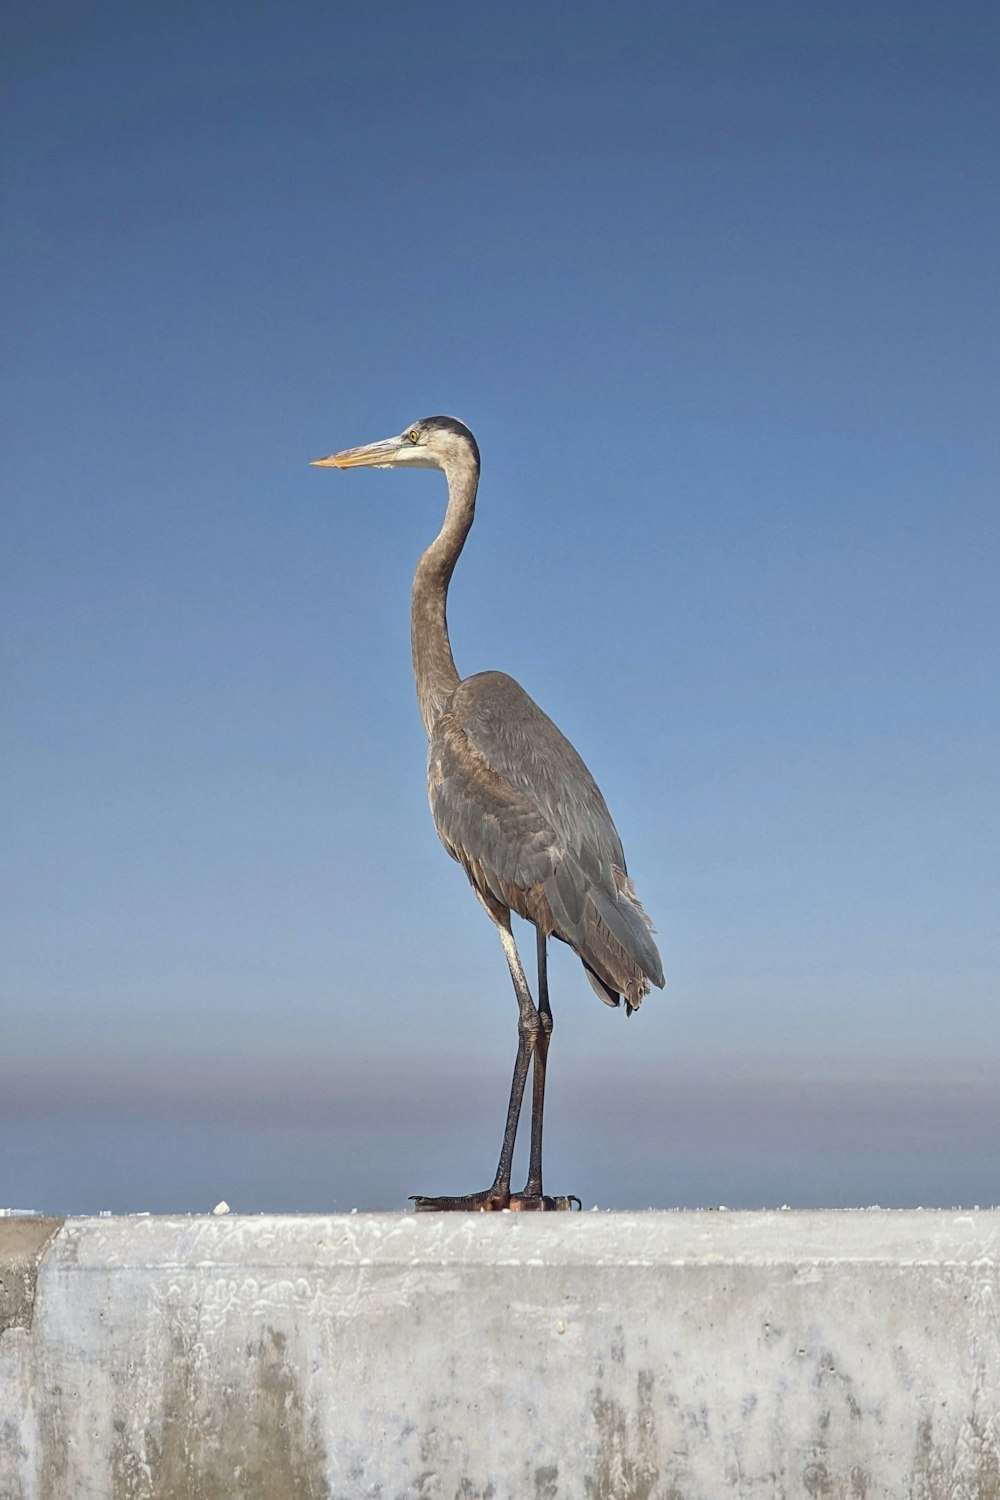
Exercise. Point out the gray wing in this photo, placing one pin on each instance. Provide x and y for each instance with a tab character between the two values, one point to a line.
516	806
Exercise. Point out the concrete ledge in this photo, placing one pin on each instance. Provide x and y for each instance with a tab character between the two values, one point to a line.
687	1356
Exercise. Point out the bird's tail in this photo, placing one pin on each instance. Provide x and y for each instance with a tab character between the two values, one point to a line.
613	936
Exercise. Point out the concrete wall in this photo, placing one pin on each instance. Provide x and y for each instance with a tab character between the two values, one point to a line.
688	1356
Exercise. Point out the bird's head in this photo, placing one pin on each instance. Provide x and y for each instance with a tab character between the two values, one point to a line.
432	443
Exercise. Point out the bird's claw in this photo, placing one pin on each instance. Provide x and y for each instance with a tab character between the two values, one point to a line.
526	1203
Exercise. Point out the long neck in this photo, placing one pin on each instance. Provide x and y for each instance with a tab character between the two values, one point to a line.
433	663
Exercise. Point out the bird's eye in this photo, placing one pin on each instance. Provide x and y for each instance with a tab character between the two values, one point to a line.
414	436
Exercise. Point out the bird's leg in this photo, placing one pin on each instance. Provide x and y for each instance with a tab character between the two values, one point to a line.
533	1187
529	1029
533	1197
529	1033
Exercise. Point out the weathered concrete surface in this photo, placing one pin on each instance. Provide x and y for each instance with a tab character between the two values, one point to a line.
22	1242
687	1356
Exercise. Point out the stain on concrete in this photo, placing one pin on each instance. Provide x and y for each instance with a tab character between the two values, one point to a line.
52	1442
930	1475
966	1463
13	1457
824	1475
217	1438
982	1443
816	1480
547	1483
625	1467
22	1244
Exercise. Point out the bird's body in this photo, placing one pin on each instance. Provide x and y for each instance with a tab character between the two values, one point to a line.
514	804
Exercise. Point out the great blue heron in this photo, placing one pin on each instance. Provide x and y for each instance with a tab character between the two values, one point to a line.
515	805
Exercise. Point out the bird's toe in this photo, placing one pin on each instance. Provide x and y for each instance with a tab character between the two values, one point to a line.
491	1201
541	1203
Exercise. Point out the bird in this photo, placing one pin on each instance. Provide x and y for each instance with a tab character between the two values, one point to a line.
516	806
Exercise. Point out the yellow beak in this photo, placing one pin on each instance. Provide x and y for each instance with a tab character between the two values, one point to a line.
370	455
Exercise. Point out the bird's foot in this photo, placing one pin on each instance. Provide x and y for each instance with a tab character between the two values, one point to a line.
491	1201
538	1202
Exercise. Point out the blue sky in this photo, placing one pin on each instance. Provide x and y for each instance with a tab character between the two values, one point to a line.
715	285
